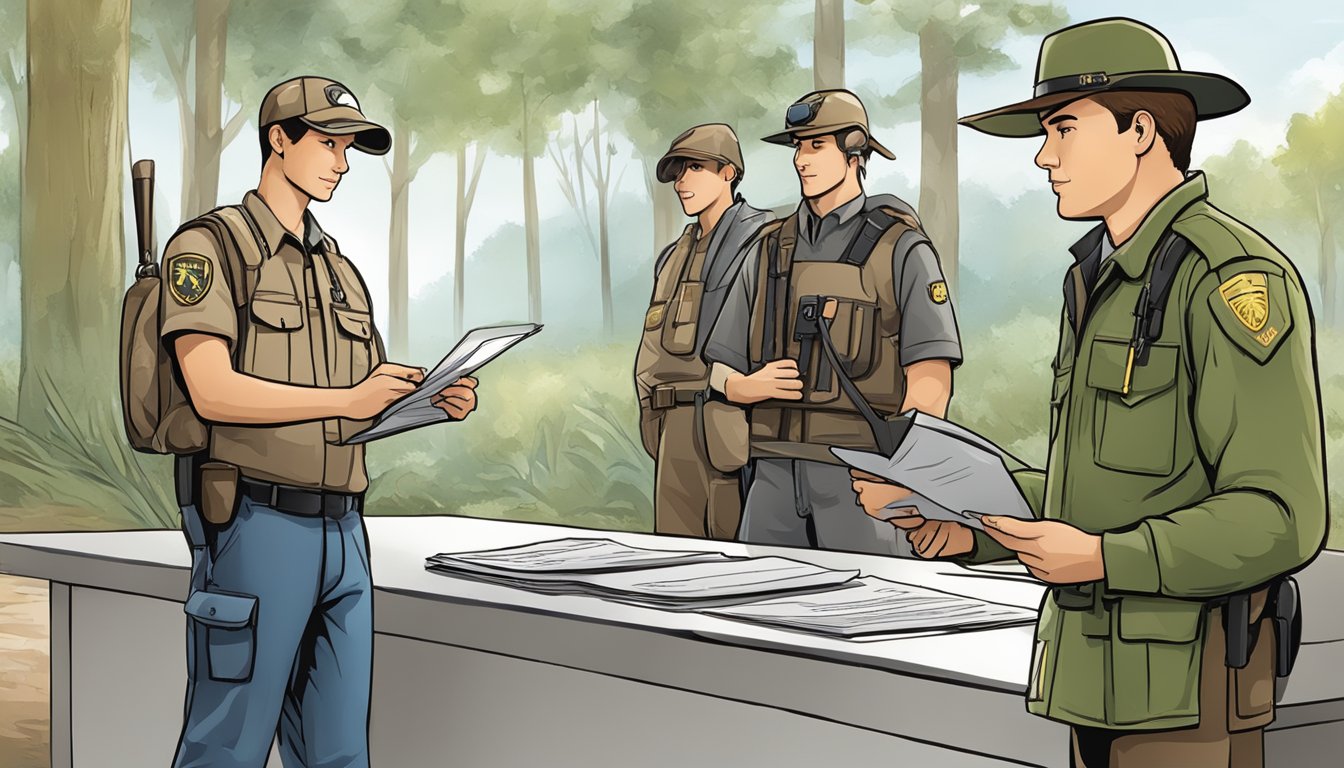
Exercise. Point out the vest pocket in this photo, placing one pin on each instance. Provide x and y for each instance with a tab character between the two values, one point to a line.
679	328
1135	431
272	342
854	333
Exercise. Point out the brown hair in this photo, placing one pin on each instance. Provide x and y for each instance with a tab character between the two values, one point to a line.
1173	111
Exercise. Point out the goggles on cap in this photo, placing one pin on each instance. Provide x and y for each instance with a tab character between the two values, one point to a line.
802	113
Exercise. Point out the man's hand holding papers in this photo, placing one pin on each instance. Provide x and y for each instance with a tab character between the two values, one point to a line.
930	538
1054	551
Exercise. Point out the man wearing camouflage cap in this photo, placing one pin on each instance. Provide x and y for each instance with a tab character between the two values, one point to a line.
697	446
1186	475
866	261
271	329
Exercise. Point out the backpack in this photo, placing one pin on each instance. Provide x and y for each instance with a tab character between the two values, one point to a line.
156	411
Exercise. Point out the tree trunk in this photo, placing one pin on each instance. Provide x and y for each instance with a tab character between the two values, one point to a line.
398	272
18	100
531	223
1328	276
938	149
667	213
608	322
828	45
460	246
212	26
73	238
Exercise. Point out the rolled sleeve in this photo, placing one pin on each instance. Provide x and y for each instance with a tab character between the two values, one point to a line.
928	328
190	307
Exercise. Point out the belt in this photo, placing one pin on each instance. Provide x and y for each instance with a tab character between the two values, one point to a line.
667	396
305	502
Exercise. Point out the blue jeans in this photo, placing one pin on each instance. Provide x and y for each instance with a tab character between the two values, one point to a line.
279	639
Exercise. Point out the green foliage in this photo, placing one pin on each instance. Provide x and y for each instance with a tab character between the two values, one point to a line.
1313	160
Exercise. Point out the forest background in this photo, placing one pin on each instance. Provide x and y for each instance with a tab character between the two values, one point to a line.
520	187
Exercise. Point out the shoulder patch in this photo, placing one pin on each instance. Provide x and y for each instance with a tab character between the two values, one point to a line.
189	277
1253	309
938	291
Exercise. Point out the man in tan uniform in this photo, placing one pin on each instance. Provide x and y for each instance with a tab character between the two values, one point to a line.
274	340
698	447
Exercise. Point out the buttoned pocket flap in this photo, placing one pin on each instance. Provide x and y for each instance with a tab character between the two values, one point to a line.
1110	358
282	313
1161	619
220	609
357	324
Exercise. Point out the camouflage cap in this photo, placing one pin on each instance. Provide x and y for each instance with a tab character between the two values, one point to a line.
1107	55
712	141
825	112
326	106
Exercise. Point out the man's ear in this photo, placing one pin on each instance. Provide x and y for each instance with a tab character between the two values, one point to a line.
1145	132
276	135
728	172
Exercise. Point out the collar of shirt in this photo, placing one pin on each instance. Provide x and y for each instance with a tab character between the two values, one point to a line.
814	224
1132	255
274	232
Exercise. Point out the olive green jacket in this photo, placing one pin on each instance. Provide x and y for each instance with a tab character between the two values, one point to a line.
1205	479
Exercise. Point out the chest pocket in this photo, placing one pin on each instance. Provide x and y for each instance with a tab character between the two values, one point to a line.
1134	432
354	341
274	344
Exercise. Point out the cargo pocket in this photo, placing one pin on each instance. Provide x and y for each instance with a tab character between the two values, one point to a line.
727	435
679	329
230	625
1155	664
854	332
1135	432
271	347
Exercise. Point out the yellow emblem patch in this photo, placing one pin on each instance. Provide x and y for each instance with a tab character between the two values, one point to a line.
1247	295
938	292
654	317
188	278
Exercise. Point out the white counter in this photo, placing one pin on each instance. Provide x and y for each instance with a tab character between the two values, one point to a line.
470	674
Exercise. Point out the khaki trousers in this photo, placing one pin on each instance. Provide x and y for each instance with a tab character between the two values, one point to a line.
1235	705
690	496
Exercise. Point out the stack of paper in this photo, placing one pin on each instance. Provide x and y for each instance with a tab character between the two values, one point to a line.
877	607
660	578
954	473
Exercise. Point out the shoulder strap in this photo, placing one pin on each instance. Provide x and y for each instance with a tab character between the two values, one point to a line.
875	225
779	262
238	238
1152	304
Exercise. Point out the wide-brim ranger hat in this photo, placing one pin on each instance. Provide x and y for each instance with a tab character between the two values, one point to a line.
1114	54
714	142
826	112
325	106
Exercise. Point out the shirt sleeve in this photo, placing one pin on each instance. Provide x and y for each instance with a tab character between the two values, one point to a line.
730	337
928	324
195	294
1256	413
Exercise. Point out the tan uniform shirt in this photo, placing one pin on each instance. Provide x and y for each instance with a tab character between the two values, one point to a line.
295	332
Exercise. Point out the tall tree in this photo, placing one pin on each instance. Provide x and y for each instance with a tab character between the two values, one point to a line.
73	247
13	73
593	157
541	59
1313	165
828	45
954	37
694	65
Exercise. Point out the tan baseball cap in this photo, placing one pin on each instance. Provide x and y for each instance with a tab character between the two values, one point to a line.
326	106
824	112
712	141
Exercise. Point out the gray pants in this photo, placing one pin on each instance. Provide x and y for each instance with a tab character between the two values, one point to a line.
809	504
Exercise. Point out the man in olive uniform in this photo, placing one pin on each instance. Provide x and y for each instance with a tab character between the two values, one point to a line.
280	627
1185	466
698	447
893	329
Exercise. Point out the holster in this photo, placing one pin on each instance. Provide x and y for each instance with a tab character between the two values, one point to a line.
1283	606
219	492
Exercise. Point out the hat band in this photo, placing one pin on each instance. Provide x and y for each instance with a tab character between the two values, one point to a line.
1089	81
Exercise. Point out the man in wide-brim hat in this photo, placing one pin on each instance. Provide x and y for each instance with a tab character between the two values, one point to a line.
1185	476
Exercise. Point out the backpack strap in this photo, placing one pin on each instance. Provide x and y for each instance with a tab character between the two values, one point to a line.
875	225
